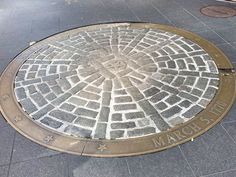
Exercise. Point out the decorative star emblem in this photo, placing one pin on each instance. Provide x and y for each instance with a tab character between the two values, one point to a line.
5	97
102	147
17	119
9	74
48	138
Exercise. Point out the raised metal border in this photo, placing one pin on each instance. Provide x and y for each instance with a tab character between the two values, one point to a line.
214	112
203	13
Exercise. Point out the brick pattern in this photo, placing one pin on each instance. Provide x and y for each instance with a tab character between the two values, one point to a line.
116	82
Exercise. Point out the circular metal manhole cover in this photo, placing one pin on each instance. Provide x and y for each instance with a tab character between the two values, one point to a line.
117	89
218	11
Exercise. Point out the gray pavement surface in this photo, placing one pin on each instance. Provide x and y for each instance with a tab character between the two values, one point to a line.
211	155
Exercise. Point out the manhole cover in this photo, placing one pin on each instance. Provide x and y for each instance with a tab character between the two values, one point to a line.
218	11
228	1
117	89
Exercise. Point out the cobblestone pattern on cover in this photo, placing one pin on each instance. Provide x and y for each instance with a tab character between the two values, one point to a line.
116	82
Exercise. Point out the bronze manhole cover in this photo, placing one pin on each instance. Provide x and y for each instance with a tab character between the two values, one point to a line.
117	89
228	1
218	11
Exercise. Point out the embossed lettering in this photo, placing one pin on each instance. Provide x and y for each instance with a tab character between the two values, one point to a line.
187	131
205	120
218	108
194	127
170	139
179	135
158	142
190	129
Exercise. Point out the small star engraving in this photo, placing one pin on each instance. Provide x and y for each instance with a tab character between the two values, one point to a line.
9	74
102	147
17	119
47	139
5	97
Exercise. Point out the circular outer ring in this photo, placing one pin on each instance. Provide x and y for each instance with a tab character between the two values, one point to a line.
206	11
214	112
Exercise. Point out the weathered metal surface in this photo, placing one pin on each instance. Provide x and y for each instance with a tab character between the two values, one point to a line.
218	11
181	133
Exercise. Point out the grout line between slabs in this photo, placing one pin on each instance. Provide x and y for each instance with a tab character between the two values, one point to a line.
128	168
133	13
221	172
158	10
104	6
226	122
13	144
185	158
27	160
228	134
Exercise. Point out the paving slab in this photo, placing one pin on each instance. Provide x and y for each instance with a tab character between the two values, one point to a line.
212	153
86	166
3	122
230	173
230	129
164	164
47	167
6	141
24	150
3	171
